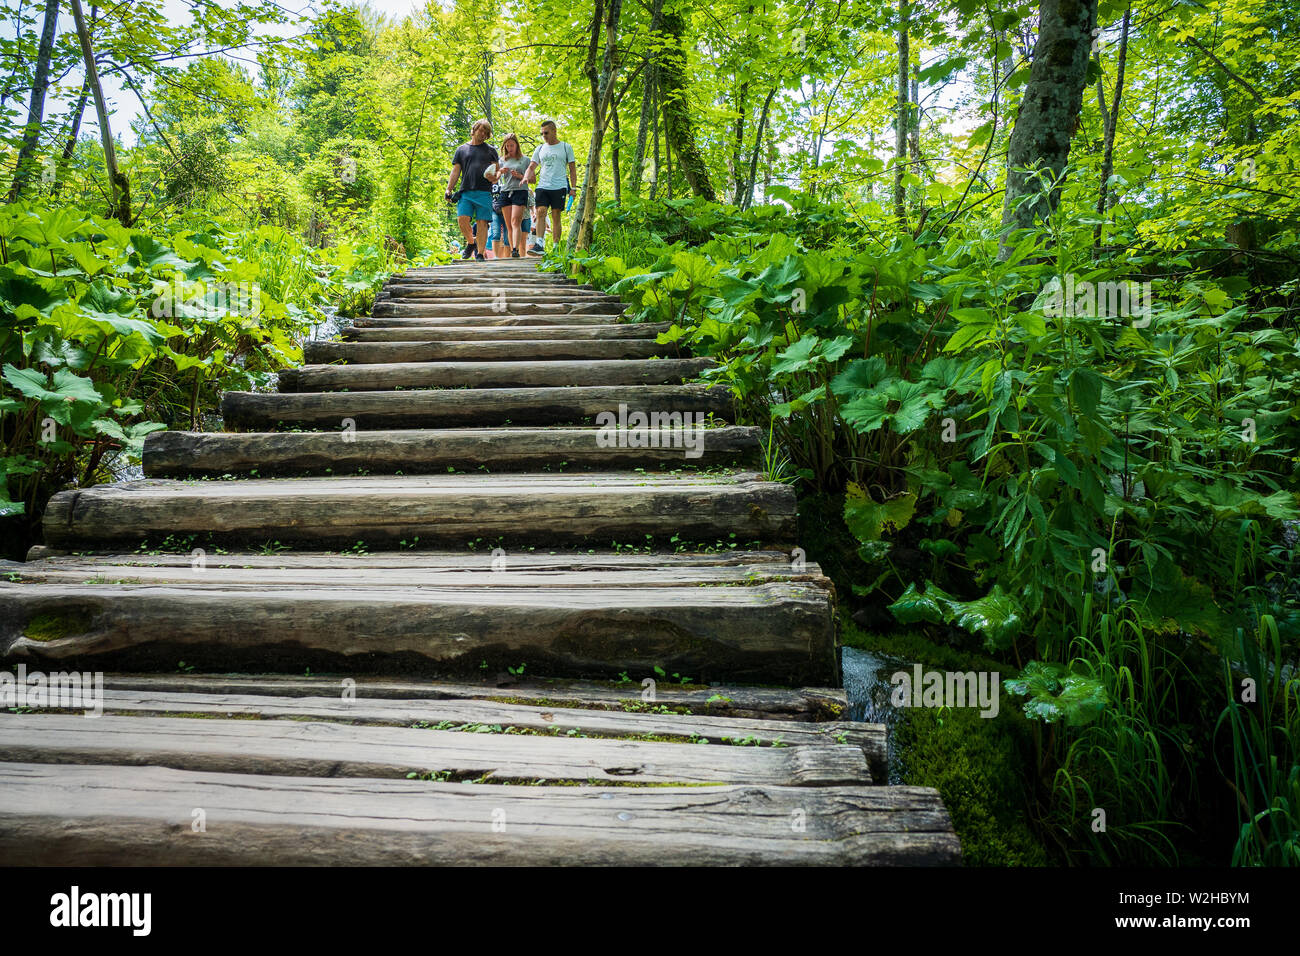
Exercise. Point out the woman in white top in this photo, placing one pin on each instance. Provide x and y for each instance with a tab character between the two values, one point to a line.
510	172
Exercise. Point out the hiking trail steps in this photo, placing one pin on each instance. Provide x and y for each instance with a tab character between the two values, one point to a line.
430	505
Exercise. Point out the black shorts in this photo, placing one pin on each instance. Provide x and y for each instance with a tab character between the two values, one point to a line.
516	197
550	198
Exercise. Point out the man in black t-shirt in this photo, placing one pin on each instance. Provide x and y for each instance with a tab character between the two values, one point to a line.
471	160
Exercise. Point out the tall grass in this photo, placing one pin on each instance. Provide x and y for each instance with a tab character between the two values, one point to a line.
1265	733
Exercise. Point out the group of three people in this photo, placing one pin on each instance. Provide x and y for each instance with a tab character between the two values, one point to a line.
494	189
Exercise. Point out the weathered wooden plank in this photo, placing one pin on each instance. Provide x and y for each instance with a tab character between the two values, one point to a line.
472	713
384	509
533	350
474	571
87	816
472	333
778	632
295	748
520	305
719	700
414	375
446	408
483	319
583	562
416	451
489	290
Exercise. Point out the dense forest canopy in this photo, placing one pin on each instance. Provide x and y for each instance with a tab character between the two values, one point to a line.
1011	287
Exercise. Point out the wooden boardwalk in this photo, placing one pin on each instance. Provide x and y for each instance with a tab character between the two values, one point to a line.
430	510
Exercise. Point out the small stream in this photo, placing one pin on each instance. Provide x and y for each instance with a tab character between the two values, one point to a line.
867	687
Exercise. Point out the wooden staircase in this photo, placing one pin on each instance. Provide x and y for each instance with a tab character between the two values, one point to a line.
433	497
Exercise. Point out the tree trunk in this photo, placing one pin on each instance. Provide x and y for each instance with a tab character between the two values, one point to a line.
648	78
901	115
1104	198
74	133
678	127
25	171
758	143
614	147
602	93
914	135
119	188
654	168
1049	112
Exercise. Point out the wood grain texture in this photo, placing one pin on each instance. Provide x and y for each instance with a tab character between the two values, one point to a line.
519	305
71	815
720	700
481	319
416	375
295	748
473	333
869	739
449	408
610	506
532	350
417	451
778	632
500	333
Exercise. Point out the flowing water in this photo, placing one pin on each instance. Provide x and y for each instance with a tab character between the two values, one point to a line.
867	687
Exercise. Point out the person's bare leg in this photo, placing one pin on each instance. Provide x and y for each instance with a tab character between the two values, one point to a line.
464	229
516	233
499	249
483	226
555	226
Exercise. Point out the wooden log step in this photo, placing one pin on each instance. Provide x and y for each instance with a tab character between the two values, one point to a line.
777	633
520	281
638	719
802	704
479	570
476	333
382	510
559	372
486	319
451	408
420	451
432	350
518	305
292	748
488	290
94	816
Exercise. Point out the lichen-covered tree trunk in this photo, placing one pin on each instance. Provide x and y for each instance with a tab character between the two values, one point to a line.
602	93
25	171
119	187
678	128
1049	112
1104	198
649	75
900	120
758	143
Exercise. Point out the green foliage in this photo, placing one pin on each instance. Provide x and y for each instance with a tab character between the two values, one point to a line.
109	333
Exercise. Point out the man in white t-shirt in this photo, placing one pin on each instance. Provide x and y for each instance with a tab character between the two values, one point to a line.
555	183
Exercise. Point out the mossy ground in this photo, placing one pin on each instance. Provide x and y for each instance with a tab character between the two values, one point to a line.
982	767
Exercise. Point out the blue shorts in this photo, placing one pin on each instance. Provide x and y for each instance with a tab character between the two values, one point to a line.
476	203
499	232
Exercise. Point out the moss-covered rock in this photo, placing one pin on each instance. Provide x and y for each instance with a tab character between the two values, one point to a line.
980	766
